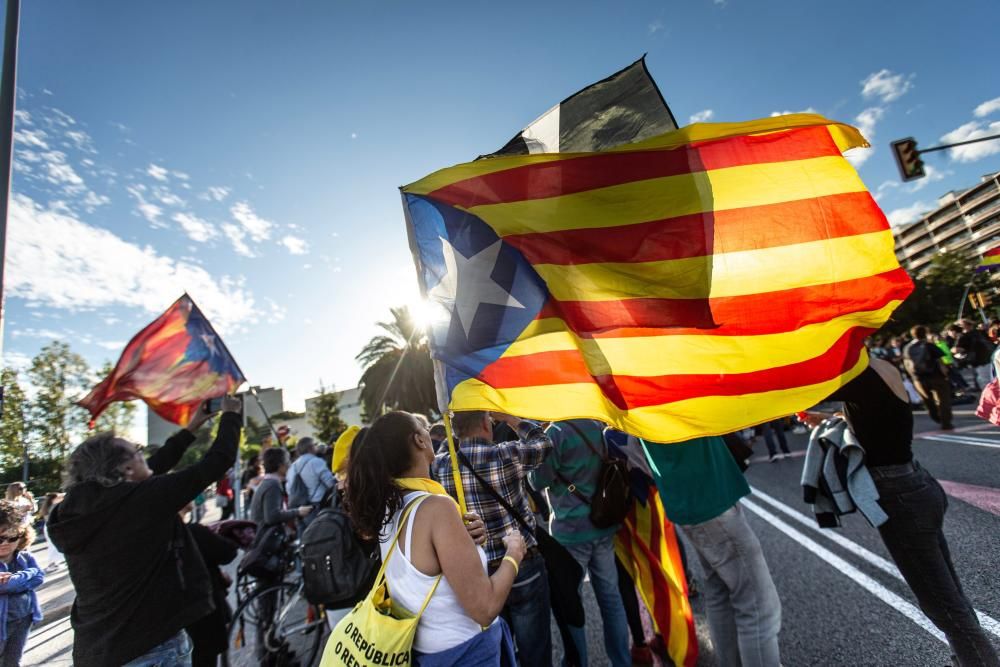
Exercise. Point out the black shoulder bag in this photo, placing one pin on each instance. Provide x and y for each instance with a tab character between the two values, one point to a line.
564	573
612	497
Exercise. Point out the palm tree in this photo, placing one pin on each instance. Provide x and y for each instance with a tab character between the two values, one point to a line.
398	372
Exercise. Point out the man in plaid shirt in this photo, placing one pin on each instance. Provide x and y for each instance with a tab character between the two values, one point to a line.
504	466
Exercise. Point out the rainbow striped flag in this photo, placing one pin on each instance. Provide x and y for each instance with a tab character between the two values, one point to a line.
174	364
991	260
698	282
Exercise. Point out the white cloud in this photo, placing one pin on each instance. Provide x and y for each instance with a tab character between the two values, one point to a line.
885	187
256	227
195	228
908	214
886	86
16	360
788	113
81	141
151	212
931	175
28	332
113	345
50	251
866	122
295	245
216	193
181	175
237	237
36	138
655	26
354	135
987	108
973	130
157	172
276	313
702	116
167	198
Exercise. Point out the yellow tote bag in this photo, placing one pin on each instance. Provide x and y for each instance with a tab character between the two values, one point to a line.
375	634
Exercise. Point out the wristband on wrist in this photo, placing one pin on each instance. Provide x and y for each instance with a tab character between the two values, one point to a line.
513	562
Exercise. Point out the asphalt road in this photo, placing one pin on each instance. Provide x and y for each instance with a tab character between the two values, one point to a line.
842	601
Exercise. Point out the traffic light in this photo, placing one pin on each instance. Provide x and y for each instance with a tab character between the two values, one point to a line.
911	167
979	299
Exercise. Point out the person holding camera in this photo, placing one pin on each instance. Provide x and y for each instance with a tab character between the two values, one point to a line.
138	575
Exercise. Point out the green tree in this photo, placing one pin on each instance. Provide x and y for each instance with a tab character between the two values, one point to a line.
60	378
937	294
325	418
13	431
120	415
398	371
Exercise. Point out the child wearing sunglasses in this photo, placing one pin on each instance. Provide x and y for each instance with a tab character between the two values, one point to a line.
19	577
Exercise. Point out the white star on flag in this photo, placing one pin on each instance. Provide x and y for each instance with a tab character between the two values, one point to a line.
209	341
467	283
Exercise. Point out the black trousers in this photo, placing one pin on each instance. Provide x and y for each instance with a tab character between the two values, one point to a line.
916	504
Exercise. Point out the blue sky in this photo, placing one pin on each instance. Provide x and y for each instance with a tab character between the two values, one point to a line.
250	151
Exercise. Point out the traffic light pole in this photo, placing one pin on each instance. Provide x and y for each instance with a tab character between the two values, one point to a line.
965	297
960	143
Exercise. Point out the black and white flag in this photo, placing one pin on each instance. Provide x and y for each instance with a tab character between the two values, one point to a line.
624	108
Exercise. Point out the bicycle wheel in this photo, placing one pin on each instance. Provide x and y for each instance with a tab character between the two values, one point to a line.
275	627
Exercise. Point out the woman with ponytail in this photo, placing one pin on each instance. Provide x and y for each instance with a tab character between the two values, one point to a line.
389	472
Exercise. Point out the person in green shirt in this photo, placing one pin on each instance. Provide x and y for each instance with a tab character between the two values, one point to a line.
700	487
578	448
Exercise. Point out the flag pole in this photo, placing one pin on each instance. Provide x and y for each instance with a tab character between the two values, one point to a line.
8	97
456	475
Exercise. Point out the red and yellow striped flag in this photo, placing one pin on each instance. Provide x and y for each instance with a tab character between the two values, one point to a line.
692	284
991	260
647	547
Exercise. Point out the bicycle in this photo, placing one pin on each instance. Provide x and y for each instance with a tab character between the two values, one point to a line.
274	625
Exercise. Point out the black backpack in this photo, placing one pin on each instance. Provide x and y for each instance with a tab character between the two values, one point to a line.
298	494
612	497
338	568
919	361
982	351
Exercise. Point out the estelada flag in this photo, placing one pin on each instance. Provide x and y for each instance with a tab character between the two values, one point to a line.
991	260
174	364
648	549
691	284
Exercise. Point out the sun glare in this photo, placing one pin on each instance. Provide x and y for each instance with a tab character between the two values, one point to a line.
427	313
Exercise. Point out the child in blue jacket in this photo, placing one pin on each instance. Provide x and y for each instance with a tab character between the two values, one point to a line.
19	577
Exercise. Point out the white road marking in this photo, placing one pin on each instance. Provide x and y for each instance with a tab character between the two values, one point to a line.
856	575
962	440
989	623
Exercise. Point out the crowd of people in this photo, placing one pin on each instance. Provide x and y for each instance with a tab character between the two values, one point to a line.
151	586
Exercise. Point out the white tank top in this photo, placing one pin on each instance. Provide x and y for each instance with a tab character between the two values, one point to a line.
444	624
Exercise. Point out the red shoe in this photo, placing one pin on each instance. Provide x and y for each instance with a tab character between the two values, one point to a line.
641	655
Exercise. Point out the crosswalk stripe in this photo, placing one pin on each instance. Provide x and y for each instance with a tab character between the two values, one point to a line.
962	440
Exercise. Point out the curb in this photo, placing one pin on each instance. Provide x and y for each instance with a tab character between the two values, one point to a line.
55	614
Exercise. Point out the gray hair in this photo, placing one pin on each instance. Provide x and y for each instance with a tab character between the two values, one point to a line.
305	446
98	459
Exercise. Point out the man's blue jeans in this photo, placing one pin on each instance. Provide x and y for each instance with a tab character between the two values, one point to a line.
175	652
598	558
527	613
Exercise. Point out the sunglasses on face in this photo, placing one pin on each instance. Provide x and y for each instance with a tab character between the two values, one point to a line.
9	539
